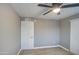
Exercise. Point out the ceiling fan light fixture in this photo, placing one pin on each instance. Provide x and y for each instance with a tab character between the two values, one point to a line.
56	10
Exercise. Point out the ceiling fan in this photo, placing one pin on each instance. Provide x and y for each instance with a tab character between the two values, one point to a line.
56	7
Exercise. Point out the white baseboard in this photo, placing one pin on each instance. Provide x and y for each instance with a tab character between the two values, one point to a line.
63	48
45	47
42	47
19	52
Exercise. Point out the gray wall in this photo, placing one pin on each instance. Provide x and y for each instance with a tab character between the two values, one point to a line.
46	33
65	33
9	30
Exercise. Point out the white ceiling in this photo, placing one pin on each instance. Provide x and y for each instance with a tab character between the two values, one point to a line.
32	10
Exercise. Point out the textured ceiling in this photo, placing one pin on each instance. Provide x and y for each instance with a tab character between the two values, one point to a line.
32	10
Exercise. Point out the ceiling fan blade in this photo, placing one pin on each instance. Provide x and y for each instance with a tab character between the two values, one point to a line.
47	12
58	4
44	5
70	5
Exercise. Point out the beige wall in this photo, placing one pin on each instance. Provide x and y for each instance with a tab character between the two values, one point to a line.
46	33
65	33
9	30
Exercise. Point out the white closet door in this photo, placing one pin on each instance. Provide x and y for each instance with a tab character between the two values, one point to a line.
27	34
74	41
